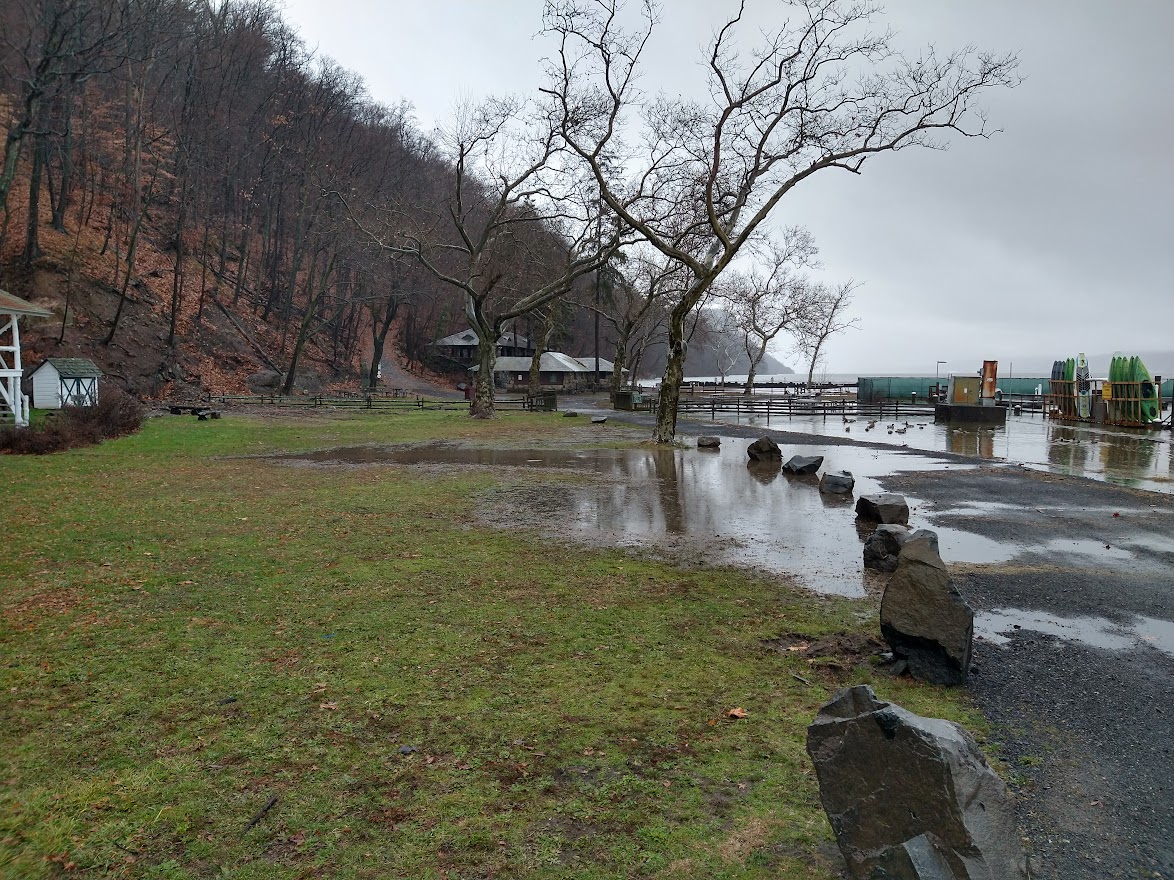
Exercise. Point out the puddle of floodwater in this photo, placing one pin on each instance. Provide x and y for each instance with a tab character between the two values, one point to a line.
1132	457
734	513
1149	541
959	546
1085	547
999	625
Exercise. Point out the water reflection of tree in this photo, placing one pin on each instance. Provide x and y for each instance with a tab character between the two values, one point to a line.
1128	455
669	489
1067	448
970	440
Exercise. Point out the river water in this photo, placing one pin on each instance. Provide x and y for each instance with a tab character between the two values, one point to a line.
1140	458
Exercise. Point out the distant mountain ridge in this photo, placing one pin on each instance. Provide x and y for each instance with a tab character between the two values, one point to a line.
1159	363
703	361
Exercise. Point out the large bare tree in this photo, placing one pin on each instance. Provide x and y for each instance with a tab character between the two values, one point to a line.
516	228
773	297
824	317
822	91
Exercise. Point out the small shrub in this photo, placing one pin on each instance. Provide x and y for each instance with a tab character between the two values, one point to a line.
116	414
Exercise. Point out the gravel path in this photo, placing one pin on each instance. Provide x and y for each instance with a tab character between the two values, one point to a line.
1079	694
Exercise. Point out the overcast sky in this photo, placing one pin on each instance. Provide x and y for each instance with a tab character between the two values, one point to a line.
1055	236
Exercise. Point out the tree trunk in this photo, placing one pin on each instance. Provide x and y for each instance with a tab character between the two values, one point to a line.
621	354
379	330
32	244
814	361
544	330
66	188
482	406
755	360
674	373
177	277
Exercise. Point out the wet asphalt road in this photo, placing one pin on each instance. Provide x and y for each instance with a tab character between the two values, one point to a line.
1086	732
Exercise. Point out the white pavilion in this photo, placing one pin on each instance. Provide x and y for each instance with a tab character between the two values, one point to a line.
14	405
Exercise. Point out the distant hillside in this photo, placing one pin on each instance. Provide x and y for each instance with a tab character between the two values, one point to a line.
1159	363
703	361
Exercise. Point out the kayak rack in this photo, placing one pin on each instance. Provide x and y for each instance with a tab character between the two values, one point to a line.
1111	403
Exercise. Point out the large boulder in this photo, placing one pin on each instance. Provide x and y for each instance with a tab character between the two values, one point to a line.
837	483
910	798
924	617
709	442
885	507
883	547
764	449
803	464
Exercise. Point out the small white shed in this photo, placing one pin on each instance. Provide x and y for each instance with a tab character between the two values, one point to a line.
62	382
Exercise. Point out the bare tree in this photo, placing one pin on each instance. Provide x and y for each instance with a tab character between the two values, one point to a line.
822	91
518	228
765	301
47	47
824	317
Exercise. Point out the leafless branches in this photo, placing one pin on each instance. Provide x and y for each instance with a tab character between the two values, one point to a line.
822	91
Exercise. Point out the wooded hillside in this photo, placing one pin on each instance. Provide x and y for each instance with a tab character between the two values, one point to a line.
174	183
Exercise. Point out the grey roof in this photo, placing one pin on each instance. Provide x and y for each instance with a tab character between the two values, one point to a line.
551	362
73	368
469	337
16	306
605	366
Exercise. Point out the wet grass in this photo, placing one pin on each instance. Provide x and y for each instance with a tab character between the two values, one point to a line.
191	630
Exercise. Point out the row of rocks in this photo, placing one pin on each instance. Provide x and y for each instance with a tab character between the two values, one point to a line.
764	449
909	798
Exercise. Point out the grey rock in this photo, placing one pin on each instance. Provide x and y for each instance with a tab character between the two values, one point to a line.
570	414
885	507
803	464
924	617
709	442
883	547
837	483
929	534
265	379
764	449
599	420
910	798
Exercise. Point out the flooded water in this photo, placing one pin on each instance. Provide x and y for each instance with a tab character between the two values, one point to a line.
732	512
1130	457
713	507
1000	625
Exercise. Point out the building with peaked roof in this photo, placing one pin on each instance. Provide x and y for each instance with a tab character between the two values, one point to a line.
556	372
14	406
62	382
460	348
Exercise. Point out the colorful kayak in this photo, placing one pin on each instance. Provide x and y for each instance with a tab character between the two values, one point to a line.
1083	398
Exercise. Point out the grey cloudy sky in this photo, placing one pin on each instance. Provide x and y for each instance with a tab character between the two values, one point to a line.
1055	236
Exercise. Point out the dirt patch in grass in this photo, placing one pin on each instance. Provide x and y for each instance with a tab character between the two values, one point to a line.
836	653
35	608
750	837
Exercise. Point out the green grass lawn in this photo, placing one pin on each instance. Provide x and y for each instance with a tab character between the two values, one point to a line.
190	630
